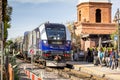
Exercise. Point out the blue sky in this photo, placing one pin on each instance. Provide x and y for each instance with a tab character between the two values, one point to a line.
29	14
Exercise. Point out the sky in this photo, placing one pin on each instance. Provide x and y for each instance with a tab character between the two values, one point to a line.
29	14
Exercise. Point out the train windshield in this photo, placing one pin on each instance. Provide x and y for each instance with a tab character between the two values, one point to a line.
55	32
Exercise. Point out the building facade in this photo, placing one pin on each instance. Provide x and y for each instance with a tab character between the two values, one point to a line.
94	23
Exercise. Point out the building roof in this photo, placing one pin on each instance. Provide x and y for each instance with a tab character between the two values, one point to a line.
82	1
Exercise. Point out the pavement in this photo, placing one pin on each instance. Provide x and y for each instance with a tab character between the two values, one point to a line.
21	74
96	70
81	66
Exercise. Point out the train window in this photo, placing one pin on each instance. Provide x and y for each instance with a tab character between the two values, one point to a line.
55	33
38	35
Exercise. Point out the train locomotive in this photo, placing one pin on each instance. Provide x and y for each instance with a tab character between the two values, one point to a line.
50	44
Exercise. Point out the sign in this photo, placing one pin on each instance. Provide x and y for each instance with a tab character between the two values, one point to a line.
115	37
31	51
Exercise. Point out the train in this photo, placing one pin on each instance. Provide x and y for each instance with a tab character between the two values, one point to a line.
50	44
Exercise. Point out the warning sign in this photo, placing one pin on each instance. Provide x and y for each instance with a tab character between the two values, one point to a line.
31	51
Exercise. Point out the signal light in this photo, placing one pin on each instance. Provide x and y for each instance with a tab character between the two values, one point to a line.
46	54
67	55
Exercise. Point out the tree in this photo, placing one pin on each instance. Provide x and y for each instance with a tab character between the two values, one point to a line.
8	43
75	38
71	27
6	17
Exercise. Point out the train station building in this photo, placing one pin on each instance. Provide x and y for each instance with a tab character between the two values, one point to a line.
94	22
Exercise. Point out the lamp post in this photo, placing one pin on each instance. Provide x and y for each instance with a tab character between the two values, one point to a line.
117	19
1	46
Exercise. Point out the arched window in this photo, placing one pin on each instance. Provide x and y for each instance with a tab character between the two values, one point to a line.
98	15
79	15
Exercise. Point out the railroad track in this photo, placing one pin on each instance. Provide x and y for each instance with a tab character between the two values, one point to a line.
74	74
69	74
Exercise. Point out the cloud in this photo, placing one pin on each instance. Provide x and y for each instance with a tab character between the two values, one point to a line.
39	1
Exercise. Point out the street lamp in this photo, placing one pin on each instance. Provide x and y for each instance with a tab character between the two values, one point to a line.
117	19
1	46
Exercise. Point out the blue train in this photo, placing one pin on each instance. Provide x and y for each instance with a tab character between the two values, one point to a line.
50	43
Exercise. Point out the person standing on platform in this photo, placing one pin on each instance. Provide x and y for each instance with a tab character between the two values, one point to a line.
75	56
100	55
107	57
81	55
114	59
95	59
88	55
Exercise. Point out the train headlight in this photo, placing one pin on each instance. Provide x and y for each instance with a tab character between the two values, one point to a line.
68	42
44	42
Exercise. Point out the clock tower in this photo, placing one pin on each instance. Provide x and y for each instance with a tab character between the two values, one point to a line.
94	22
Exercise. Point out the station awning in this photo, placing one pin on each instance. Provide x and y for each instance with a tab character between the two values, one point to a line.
107	41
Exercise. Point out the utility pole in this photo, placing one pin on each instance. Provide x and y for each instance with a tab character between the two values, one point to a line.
117	19
1	46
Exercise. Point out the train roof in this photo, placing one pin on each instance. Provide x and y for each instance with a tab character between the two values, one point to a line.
27	32
54	24
49	24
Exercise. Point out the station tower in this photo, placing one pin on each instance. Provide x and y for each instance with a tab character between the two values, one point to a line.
94	22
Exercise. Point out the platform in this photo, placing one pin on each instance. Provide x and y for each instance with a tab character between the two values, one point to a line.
96	70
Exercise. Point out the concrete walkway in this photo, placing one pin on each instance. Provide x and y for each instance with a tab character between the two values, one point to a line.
96	70
22	75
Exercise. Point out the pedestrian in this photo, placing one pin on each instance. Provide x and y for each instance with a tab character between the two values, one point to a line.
113	62
116	59
103	58
75	56
88	55
100	56
81	55
95	59
112	56
107	58
93	52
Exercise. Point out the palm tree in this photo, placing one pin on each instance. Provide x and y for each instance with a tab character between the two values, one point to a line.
6	17
6	12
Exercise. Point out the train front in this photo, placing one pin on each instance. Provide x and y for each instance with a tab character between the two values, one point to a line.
57	46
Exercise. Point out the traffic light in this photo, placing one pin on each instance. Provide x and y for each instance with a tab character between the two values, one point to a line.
1	31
